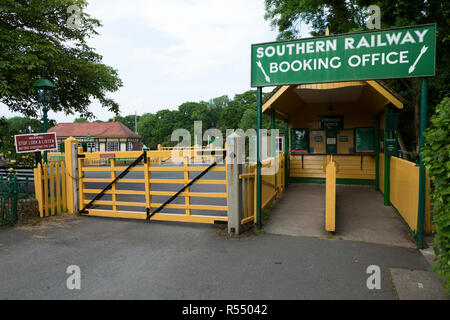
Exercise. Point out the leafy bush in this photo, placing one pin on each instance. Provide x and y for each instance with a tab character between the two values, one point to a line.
437	161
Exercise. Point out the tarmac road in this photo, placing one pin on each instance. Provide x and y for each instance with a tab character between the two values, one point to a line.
121	259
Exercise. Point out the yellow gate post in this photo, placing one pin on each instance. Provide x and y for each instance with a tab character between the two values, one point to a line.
71	173
330	197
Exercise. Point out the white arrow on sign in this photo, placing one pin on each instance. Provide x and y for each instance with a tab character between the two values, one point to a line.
265	75
413	67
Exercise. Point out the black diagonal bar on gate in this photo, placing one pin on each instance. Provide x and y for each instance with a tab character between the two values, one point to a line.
120	176
186	186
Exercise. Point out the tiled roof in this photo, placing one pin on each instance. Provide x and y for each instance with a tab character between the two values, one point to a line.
94	129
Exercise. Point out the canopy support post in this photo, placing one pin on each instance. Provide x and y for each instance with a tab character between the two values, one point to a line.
422	172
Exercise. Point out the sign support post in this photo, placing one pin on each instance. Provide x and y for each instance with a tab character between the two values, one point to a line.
258	156
386	159
422	173
377	153
45	110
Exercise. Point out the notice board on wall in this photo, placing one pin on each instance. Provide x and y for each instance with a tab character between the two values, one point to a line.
364	140
300	140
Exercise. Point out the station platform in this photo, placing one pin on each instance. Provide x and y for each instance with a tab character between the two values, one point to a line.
360	215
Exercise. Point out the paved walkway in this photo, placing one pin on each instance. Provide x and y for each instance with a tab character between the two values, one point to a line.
360	215
122	259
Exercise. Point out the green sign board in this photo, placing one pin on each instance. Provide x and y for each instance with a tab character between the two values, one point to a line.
300	140
382	54
391	147
365	140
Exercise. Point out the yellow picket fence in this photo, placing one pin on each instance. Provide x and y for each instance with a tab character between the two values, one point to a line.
50	188
272	185
330	197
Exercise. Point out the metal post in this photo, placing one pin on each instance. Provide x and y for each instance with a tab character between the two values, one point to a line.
377	153
422	173
386	161
258	156
45	110
235	156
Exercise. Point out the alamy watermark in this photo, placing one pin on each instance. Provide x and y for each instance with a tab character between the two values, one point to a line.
74	280
374	280
74	20
374	21
241	153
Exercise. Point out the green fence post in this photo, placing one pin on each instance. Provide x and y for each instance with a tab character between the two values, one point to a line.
422	173
258	157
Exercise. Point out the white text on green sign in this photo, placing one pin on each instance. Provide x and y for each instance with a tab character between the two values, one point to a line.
395	53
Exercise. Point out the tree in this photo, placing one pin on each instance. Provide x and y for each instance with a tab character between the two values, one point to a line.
128	121
80	120
35	37
232	114
156	128
350	15
145	125
20	125
341	16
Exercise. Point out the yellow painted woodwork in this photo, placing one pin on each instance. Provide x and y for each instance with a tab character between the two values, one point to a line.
317	146
272	184
158	216
330	197
349	166
69	169
94	162
371	96
49	186
63	187
46	202
342	146
404	192
58	186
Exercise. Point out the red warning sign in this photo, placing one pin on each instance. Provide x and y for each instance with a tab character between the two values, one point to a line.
35	142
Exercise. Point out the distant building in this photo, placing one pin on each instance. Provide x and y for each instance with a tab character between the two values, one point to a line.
98	136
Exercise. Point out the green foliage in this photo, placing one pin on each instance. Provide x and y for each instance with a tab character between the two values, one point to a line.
80	120
14	126
437	161
340	16
34	37
221	112
128	121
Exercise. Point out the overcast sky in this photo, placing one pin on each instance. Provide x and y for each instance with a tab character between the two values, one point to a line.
171	51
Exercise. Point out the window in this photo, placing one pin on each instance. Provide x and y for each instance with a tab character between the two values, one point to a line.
112	146
279	145
92	147
130	146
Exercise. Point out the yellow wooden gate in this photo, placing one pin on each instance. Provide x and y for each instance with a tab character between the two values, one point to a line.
50	188
153	178
272	184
